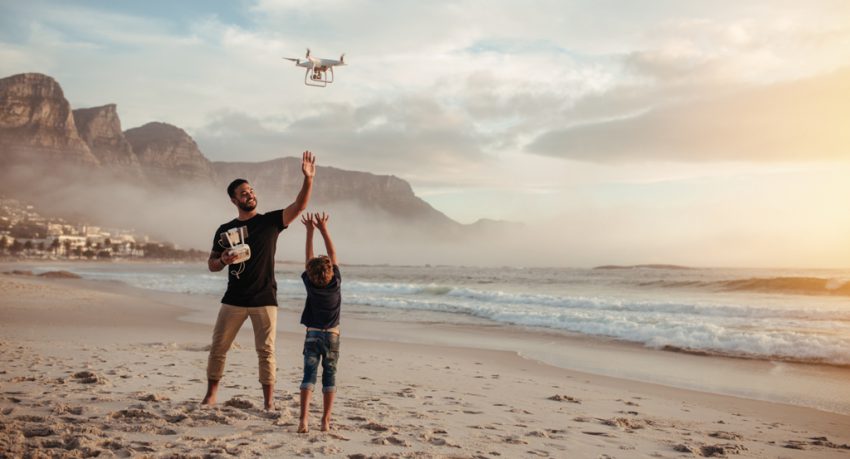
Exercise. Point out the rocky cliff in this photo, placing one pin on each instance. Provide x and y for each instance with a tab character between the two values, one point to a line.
36	123
167	153
100	128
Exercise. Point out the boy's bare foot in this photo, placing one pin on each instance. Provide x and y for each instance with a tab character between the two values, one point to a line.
305	410
326	410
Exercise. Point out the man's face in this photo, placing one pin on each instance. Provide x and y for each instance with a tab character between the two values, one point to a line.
244	197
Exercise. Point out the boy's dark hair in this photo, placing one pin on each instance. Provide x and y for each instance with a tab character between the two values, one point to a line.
320	271
231	189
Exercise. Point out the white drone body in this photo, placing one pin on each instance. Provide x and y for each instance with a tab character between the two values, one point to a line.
317	69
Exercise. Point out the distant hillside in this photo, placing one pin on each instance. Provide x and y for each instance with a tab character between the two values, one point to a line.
649	266
280	179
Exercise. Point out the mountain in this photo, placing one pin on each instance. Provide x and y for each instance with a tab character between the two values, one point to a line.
36	123
100	129
168	153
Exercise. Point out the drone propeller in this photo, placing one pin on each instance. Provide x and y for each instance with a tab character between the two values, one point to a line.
308	53
342	59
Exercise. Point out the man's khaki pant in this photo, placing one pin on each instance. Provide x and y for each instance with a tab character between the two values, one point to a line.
230	319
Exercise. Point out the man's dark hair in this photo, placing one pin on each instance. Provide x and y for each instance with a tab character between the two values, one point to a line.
231	189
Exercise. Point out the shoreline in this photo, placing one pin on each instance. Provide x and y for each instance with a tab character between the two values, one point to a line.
782	381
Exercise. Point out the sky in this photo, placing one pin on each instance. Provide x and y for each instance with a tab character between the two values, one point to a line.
707	133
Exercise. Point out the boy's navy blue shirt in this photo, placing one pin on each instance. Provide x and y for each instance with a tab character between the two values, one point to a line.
321	309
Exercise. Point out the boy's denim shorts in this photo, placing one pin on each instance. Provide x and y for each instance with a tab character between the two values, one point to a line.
320	347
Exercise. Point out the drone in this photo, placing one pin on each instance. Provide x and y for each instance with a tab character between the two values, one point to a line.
317	69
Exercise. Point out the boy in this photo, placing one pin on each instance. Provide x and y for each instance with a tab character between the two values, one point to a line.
321	317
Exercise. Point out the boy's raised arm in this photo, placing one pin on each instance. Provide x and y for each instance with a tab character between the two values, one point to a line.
321	222
308	223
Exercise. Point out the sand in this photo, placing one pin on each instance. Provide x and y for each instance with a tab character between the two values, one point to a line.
100	369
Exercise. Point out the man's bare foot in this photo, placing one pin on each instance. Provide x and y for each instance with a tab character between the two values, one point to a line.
302	426
326	424
269	407
212	390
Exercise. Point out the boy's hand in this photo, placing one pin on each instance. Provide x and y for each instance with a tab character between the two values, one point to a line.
307	220
321	221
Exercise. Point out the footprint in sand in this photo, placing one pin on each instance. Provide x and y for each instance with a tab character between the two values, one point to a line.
710	450
556	434
89	377
239	403
514	440
407	392
38	431
391	440
375	427
564	398
62	408
625	423
338	436
725	435
174	416
152	397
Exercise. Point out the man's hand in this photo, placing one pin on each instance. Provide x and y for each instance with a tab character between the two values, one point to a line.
320	221
308	164
307	220
228	257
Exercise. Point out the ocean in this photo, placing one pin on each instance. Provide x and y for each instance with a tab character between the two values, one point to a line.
776	315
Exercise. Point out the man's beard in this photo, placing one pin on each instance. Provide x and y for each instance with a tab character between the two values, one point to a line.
248	207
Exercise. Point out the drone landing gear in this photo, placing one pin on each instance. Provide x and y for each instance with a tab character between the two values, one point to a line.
318	77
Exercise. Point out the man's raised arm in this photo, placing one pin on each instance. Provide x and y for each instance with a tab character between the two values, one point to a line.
308	168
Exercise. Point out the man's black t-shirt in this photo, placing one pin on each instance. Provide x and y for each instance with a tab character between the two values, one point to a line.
321	309
255	284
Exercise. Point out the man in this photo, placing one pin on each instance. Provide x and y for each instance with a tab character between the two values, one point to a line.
251	287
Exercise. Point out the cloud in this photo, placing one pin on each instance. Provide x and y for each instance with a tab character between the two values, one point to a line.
410	136
798	120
